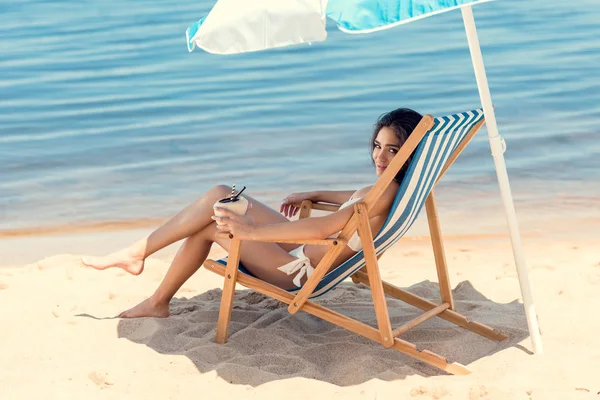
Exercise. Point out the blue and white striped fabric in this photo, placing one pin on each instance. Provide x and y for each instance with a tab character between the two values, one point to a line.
364	16
429	158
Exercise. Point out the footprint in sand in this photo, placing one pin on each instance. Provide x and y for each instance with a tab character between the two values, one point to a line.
477	392
506	275
101	380
470	307
435	393
418	391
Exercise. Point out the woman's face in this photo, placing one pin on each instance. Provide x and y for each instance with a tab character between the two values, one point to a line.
385	147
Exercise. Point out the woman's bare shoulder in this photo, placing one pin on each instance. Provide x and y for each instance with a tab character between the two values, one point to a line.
385	201
362	192
389	193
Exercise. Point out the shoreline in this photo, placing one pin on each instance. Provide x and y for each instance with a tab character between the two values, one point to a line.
81	227
152	223
536	217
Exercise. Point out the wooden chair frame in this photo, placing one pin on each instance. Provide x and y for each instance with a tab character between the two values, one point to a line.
368	275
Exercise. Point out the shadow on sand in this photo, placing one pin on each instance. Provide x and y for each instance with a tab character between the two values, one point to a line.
267	343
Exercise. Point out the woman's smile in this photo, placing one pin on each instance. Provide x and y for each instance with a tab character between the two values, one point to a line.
385	147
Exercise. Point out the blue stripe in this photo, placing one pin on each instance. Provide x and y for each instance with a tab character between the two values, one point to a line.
241	267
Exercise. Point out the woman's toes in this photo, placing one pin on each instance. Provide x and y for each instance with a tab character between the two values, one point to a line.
88	261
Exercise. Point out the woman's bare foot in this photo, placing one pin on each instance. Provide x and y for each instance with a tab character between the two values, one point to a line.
126	259
147	308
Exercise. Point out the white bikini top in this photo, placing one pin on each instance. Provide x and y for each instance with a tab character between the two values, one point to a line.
354	242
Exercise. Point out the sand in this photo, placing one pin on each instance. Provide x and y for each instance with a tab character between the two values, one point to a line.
60	339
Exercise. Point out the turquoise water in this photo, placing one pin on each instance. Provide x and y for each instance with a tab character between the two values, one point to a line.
105	116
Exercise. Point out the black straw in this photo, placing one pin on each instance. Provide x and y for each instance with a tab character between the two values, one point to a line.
238	194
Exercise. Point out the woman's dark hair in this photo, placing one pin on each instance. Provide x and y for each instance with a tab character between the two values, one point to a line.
402	121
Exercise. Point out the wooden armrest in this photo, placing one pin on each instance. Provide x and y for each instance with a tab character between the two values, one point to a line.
307	206
326	206
322	242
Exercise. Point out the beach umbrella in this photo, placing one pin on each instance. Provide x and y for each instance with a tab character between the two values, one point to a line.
237	26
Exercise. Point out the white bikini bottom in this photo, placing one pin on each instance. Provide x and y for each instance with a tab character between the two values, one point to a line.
301	264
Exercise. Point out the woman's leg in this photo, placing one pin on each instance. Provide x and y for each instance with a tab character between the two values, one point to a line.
186	223
188	259
262	258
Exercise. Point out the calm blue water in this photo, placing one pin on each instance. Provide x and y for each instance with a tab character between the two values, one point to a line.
105	116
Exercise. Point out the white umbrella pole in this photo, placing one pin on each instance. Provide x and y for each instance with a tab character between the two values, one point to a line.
497	147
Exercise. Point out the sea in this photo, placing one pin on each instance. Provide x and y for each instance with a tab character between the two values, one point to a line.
107	120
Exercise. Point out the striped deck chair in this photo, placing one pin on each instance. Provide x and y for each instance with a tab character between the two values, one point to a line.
436	143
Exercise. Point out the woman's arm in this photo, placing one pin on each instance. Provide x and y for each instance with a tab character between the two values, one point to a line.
306	228
291	204
332	196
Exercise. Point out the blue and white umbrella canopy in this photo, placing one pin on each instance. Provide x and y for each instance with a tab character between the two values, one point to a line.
239	26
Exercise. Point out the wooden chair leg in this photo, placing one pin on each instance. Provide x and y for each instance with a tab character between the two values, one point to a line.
381	311
438	251
231	273
344	321
426	305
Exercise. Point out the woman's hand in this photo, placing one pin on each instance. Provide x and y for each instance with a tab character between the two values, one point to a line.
291	204
242	226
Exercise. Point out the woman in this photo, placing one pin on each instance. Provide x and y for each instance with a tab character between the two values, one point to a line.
267	261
